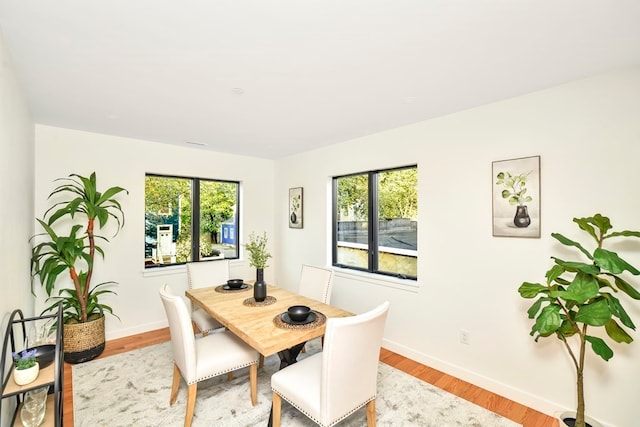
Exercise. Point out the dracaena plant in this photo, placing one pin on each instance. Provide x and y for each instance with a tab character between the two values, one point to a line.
580	295
73	253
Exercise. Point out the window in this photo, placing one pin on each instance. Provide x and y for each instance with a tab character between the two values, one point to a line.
375	226
189	219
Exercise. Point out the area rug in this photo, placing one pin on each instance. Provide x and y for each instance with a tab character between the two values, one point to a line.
132	389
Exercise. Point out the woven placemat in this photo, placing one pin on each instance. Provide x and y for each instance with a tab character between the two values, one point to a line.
320	319
251	302
222	290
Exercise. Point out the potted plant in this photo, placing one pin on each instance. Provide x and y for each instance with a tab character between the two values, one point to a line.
26	367
515	191
258	257
579	295
72	253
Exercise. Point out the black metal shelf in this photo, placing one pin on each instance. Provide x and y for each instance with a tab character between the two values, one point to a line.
50	376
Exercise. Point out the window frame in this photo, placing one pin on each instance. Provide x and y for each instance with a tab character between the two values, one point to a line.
372	226
195	218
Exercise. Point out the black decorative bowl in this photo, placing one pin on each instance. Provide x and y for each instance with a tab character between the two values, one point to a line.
235	283
298	313
45	354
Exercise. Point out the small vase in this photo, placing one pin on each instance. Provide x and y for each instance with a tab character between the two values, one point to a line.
26	376
522	218
34	407
260	287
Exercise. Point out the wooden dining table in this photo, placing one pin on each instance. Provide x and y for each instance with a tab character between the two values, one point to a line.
256	323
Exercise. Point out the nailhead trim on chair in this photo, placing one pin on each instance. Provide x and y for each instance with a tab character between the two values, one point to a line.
333	422
222	372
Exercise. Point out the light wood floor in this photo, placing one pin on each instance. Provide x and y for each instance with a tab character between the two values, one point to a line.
505	407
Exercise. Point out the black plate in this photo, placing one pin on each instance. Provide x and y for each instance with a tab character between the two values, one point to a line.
286	319
229	288
44	354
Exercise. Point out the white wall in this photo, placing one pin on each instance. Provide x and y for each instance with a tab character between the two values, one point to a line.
588	136
16	192
124	162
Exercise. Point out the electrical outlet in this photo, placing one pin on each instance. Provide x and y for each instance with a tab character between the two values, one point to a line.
464	337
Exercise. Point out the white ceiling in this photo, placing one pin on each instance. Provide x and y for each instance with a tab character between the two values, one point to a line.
310	72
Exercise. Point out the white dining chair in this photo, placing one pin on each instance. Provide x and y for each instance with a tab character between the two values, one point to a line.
200	275
330	385
316	283
197	359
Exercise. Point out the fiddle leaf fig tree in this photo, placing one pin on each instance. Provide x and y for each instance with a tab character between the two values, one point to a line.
73	253
579	295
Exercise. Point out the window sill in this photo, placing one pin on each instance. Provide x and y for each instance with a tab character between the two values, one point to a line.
378	279
164	271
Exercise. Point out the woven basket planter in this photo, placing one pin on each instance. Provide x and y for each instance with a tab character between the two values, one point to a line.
83	341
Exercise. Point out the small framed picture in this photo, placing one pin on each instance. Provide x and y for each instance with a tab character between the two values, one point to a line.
295	207
516	197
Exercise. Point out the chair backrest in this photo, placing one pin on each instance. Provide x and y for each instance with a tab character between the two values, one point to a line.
182	338
207	273
316	283
350	358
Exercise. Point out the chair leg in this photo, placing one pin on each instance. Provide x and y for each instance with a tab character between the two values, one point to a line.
277	406
371	413
191	404
253	381
229	376
176	383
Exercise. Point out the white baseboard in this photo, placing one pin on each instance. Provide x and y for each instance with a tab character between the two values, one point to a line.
505	390
138	329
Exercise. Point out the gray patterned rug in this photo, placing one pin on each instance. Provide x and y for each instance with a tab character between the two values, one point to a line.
132	389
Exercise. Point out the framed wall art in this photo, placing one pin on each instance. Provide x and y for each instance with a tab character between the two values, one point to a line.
295	207
516	197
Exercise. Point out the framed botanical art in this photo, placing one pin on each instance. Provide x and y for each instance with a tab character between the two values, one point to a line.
516	197
295	207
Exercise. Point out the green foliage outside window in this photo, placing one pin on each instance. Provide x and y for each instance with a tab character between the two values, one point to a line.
168	200
397	195
376	221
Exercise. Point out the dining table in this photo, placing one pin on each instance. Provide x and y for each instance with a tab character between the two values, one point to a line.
264	325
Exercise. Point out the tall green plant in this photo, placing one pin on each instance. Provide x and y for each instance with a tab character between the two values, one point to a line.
75	252
578	295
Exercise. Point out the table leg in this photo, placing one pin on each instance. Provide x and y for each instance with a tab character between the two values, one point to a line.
287	357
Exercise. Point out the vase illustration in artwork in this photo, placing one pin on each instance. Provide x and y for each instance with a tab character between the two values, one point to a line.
522	218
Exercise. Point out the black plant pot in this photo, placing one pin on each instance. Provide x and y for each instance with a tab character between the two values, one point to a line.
568	419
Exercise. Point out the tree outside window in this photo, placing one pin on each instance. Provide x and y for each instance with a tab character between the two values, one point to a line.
375	225
189	219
